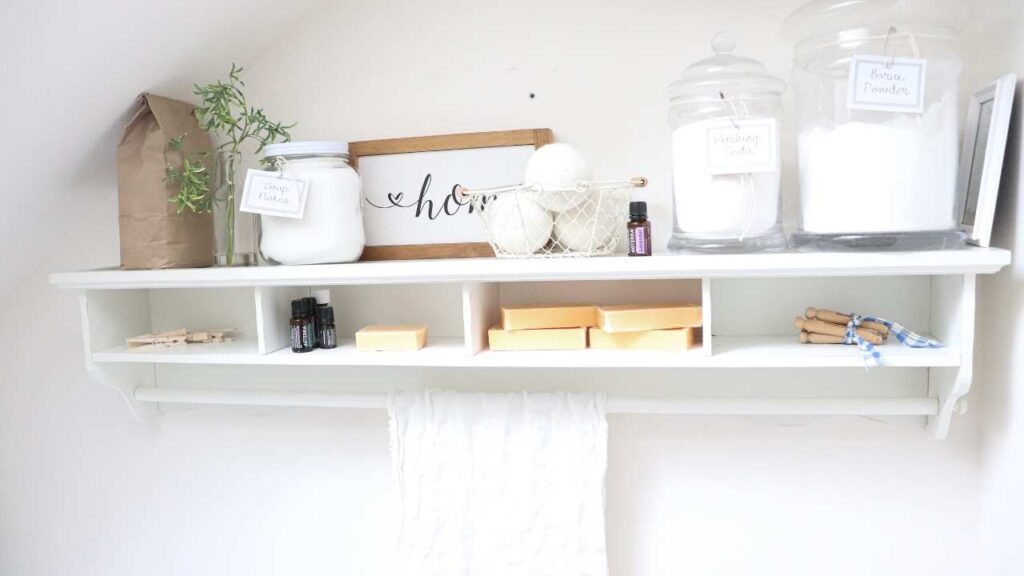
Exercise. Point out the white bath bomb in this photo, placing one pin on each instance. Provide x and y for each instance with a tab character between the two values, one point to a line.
557	166
518	224
585	228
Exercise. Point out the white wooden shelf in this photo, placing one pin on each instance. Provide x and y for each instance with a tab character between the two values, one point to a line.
440	352
749	301
731	352
786	265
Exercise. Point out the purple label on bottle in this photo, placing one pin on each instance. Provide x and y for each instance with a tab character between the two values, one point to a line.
639	243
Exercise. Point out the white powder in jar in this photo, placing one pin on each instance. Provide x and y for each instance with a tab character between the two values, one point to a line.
719	205
896	176
331	229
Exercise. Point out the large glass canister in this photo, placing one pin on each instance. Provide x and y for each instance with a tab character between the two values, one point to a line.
725	113
330	228
876	85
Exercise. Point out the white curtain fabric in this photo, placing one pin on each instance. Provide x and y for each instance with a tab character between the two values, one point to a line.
500	484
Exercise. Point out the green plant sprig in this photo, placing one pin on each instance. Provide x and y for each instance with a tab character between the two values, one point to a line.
193	179
225	111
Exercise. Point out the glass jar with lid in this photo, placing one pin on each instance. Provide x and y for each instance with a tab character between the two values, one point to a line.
876	84
331	227
725	113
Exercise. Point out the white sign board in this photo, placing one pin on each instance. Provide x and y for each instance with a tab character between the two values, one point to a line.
409	198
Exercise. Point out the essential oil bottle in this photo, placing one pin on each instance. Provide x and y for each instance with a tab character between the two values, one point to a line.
314	326
328	337
639	229
301	327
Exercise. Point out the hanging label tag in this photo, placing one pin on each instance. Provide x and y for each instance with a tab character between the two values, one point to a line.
269	194
740	146
887	84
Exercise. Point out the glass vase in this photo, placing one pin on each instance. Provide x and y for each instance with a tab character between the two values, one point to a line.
234	231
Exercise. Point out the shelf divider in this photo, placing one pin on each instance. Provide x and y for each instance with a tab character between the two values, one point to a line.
273	308
480	301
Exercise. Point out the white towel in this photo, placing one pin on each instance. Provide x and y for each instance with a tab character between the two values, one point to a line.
500	484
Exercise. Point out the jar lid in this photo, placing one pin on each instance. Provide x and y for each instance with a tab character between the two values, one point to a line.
286	149
724	75
830	17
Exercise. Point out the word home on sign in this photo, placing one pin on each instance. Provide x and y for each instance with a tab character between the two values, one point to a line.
411	198
423	207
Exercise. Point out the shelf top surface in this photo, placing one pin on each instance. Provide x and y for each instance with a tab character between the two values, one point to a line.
659	266
730	352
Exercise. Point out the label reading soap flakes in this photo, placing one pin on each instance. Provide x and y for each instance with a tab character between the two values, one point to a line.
269	194
886	84
740	146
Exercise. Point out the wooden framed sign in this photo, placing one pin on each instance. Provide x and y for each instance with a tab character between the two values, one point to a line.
410	209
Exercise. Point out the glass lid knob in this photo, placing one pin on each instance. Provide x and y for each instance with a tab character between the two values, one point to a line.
723	43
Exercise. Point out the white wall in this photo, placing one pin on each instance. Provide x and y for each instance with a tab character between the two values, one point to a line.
1000	364
86	490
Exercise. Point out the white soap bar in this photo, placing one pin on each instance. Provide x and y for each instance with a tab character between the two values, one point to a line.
392	338
538	317
547	339
637	318
676	340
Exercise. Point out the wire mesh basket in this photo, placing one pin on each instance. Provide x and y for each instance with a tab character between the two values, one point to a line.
530	221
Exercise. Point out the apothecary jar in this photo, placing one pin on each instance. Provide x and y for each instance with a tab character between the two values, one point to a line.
329	226
725	113
876	84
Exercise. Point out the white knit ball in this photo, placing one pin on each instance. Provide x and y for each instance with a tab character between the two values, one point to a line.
585	229
518	224
557	166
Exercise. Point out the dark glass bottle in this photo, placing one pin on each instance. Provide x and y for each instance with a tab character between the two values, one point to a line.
313	321
328	337
639	229
301	326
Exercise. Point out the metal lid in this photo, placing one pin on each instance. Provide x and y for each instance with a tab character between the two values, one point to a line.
724	75
287	149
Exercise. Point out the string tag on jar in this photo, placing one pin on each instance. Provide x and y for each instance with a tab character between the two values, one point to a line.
272	194
742	145
886	83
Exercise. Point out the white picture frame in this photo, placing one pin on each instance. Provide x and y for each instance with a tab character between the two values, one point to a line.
981	158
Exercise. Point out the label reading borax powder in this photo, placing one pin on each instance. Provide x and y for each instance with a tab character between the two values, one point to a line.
887	84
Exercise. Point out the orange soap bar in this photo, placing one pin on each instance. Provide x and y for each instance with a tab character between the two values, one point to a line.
640	317
392	338
541	339
676	340
537	317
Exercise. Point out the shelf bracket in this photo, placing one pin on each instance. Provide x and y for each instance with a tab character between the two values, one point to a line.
126	379
951	385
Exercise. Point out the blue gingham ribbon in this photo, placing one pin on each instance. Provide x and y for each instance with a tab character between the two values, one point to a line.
869	352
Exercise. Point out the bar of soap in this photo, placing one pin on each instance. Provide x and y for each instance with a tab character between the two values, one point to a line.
540	317
675	340
641	317
541	339
392	338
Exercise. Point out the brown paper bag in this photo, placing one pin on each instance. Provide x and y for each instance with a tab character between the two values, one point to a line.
153	233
